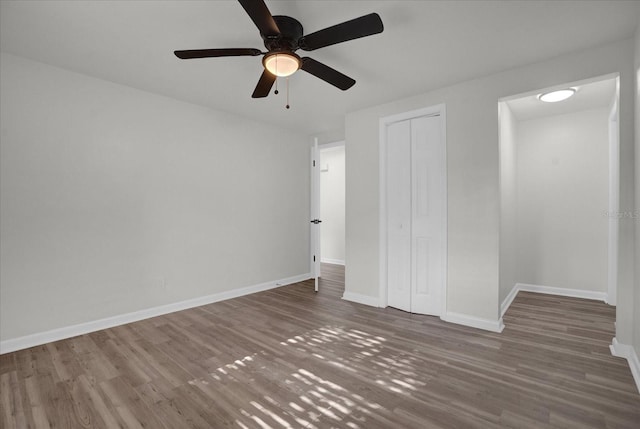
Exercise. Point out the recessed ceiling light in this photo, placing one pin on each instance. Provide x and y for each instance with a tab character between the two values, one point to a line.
555	96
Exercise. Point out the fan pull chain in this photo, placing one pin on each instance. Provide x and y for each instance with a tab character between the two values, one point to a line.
276	91
287	106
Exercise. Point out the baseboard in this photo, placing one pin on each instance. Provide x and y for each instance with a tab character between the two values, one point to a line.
549	290
508	300
575	293
361	299
629	353
40	338
332	261
474	322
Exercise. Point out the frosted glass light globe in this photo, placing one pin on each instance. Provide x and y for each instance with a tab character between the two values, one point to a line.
282	64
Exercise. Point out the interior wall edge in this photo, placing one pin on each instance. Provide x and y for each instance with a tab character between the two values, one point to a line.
506	303
550	290
332	261
474	322
358	298
629	353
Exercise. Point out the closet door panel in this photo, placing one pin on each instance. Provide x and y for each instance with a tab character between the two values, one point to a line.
426	243
398	182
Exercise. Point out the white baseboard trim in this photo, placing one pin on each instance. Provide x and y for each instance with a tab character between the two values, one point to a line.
371	301
504	306
332	261
550	290
629	353
575	293
40	338
474	322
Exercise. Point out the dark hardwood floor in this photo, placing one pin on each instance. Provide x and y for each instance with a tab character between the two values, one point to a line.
290	358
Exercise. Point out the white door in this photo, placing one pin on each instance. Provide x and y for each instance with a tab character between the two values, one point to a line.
427	213
416	197
315	213
399	215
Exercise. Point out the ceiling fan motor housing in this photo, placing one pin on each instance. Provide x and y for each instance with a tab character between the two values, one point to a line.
290	33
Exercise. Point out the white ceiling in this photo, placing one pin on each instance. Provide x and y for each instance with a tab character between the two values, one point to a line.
588	96
425	45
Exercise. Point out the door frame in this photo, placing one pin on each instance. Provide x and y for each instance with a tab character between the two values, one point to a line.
436	110
315	207
614	197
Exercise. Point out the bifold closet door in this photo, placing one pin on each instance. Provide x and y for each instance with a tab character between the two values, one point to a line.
415	198
427	215
398	192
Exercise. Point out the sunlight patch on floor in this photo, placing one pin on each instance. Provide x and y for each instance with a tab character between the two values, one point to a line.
343	355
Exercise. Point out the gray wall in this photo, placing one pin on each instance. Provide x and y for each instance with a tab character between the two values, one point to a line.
562	198
508	201
473	185
115	200
636	221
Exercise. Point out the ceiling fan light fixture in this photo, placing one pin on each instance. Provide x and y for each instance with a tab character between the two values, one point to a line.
555	96
281	64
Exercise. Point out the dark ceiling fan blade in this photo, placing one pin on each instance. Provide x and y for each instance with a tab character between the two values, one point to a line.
356	28
264	85
208	53
261	17
327	74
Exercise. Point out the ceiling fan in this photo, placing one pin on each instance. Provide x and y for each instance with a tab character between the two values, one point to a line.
283	36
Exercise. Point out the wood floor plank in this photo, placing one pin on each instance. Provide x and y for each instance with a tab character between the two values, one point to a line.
292	358
7	363
129	406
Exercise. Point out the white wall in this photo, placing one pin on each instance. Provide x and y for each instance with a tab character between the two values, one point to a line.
115	200
328	137
562	181
473	171
636	307
508	201
332	192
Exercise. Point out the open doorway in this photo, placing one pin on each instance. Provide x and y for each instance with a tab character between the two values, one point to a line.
328	210
559	183
332	203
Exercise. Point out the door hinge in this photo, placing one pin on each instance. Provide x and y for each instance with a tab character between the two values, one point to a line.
314	258
314	162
